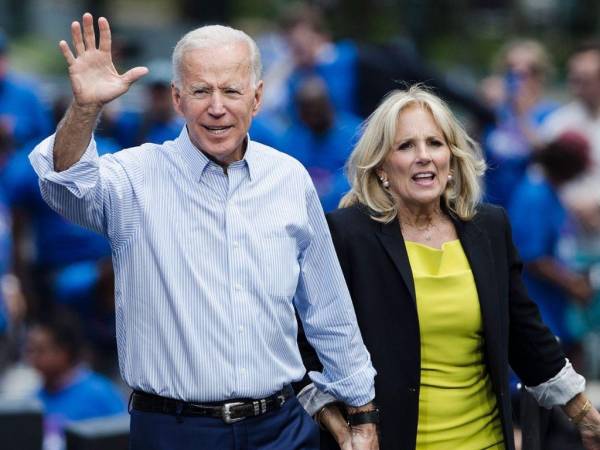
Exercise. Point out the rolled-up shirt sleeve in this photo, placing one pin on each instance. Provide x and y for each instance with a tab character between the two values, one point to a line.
559	389
325	308
95	192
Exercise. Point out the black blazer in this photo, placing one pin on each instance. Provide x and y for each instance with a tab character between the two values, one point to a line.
375	264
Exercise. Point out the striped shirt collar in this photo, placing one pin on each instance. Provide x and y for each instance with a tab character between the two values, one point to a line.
198	162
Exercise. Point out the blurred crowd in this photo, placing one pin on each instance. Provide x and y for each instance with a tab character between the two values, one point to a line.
543	155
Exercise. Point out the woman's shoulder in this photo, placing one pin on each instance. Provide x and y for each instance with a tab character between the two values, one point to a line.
352	217
490	216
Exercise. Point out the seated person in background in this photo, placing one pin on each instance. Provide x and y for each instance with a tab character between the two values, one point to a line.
321	140
544	232
70	390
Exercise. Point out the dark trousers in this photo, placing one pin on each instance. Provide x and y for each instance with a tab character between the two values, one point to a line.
289	428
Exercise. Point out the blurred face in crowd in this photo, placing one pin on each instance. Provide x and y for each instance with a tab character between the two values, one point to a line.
522	64
160	102
45	355
218	99
304	42
418	164
314	108
584	78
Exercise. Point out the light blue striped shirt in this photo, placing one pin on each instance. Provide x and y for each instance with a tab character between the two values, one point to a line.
208	268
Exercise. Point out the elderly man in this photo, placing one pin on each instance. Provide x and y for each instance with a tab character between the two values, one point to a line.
215	239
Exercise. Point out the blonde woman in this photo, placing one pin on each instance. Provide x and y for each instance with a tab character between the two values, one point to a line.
436	285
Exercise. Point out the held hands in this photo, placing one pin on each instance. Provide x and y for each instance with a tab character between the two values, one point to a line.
94	79
358	437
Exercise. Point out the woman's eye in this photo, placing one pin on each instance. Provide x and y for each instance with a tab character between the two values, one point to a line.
405	145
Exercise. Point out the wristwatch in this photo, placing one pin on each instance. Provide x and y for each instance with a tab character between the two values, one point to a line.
360	418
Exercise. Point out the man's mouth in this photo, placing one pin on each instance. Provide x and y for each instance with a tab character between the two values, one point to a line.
217	129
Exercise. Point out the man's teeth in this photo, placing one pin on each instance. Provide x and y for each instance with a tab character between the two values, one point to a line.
217	130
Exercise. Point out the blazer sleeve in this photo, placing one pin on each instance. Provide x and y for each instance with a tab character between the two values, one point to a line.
534	352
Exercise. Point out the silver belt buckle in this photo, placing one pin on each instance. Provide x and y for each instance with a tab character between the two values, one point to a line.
227	412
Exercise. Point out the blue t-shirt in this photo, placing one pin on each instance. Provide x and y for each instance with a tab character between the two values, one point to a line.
57	241
542	228
132	128
508	150
23	112
324	155
87	396
338	69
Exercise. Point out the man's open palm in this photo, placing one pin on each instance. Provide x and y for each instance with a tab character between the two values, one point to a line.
94	79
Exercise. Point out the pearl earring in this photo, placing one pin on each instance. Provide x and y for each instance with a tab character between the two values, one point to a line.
385	183
449	177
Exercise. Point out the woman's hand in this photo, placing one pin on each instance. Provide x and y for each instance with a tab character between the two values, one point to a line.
589	427
331	418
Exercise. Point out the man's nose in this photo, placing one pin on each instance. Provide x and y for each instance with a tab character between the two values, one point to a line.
216	107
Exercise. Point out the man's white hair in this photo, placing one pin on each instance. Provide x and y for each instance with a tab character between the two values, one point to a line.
211	36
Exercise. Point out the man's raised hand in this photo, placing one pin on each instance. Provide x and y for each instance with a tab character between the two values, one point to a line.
94	79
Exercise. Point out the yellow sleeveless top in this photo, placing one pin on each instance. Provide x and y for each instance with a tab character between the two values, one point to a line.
457	406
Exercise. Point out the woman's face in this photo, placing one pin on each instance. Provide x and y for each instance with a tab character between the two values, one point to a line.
418	165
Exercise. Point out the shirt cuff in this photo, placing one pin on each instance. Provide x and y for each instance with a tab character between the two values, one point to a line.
559	389
355	390
79	179
312	399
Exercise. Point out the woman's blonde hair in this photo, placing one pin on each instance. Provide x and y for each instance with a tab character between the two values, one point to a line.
467	165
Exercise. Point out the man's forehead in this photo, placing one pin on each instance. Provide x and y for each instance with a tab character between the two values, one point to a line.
218	61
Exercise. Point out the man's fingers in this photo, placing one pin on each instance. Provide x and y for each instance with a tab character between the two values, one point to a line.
134	74
66	51
88	31
105	37
77	38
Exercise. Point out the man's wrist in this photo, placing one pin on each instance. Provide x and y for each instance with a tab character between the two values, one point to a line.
364	418
364	408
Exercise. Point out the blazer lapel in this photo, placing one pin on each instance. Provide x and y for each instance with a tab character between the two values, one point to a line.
393	243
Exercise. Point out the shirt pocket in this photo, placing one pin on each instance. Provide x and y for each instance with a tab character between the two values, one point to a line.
280	267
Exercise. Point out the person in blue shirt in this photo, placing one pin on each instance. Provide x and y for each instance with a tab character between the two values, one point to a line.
510	143
321	140
544	232
70	391
23	118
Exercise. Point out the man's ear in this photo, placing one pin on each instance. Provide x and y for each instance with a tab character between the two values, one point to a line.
258	93
176	97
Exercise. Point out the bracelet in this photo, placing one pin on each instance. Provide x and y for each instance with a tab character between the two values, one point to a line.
363	417
582	412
